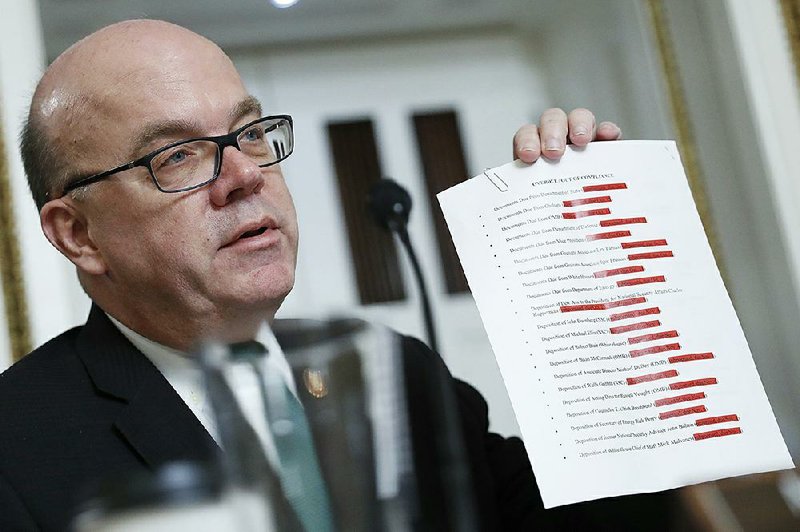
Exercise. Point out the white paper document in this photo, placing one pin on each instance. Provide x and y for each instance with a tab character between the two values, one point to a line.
624	360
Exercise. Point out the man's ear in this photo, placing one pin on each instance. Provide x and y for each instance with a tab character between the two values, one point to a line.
67	228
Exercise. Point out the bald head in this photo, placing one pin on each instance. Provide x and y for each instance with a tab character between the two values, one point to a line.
95	84
169	266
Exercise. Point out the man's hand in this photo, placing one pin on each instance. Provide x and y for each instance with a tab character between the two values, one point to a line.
549	138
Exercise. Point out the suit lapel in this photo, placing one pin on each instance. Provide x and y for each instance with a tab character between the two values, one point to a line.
153	419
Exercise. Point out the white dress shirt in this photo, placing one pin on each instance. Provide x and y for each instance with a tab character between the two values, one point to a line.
185	376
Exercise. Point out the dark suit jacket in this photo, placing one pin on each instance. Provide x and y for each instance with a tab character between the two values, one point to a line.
87	405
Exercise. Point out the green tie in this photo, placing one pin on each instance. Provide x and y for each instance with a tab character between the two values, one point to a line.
249	465
300	472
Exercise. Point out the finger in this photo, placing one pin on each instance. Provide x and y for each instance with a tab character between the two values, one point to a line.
553	133
608	131
581	126
527	147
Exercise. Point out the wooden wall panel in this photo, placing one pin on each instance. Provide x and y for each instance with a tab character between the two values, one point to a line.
442	154
374	254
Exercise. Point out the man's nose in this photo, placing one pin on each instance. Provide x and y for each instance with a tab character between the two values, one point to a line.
239	177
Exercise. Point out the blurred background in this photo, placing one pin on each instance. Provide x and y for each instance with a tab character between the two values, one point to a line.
430	92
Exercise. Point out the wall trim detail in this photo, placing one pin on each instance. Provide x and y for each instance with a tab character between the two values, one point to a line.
791	17
19	332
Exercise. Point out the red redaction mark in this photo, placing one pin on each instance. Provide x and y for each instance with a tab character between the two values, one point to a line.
619	271
626	302
691	356
642	280
652	377
655	349
699	409
584	214
653	336
716	419
690	384
651	255
589	306
644	243
623	221
608	235
679	399
603	306
716	433
635	313
607	186
587	201
634	327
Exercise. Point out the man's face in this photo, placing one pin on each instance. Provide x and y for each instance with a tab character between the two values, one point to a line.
226	248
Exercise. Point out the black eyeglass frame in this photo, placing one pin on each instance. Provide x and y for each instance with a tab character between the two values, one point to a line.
222	142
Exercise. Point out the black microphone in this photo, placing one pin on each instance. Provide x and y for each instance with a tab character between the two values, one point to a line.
390	205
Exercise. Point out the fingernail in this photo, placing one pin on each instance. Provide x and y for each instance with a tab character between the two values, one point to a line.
552	145
527	148
579	132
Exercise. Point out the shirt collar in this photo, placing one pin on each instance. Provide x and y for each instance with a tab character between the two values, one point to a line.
173	363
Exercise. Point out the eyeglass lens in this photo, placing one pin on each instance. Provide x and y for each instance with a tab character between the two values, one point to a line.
194	162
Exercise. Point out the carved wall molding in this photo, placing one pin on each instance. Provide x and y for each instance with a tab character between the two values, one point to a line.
16	308
791	17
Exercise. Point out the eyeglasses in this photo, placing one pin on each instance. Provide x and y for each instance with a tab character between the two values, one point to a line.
193	163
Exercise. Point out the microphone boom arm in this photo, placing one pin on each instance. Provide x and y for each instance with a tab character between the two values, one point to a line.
390	205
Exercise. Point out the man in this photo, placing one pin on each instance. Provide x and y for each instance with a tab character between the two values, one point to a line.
169	257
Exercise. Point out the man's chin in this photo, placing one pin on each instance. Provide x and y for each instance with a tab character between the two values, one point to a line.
263	289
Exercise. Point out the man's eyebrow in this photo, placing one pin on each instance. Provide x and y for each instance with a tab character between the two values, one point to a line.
248	106
181	128
157	130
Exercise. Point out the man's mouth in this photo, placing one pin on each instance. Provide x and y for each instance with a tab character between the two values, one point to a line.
252	233
258	233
